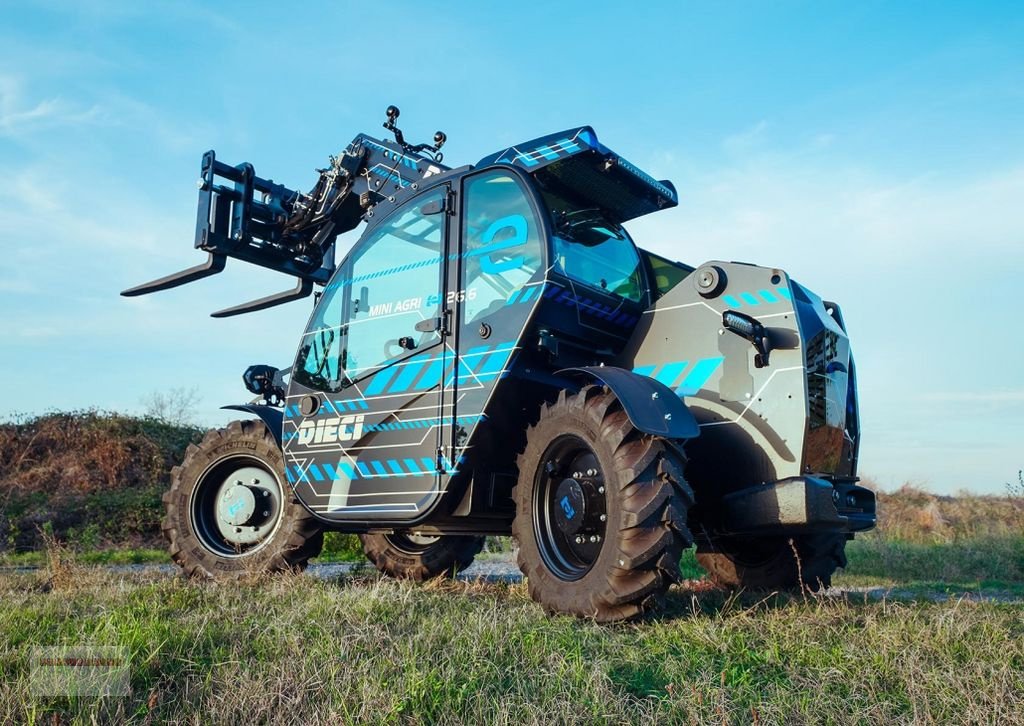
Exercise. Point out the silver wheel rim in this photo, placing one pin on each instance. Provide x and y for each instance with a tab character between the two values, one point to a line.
237	507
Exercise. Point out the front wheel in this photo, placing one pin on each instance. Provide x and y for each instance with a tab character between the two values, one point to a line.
600	510
229	512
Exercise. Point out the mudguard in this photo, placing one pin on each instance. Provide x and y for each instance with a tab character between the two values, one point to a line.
271	416
652	407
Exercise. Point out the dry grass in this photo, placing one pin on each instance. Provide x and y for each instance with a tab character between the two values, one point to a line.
93	478
911	514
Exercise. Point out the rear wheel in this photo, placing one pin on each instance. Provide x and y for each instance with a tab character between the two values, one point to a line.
229	512
600	510
410	556
803	561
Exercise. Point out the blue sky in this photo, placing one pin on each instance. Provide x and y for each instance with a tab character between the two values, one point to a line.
873	150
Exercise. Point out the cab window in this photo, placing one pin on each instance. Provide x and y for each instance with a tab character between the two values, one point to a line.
592	249
501	243
665	273
392	283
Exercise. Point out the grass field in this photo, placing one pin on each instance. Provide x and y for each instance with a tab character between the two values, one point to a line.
365	649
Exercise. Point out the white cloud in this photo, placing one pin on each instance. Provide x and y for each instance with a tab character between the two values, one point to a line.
808	215
20	116
745	141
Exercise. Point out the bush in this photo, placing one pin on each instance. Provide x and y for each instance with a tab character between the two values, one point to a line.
95	478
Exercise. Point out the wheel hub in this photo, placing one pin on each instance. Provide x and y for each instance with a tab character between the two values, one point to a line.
242	505
246	507
570	509
571	517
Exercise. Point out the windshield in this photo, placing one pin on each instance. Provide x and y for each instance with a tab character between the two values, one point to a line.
592	249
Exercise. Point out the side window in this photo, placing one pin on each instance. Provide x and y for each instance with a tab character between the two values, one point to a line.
392	283
501	242
601	257
667	274
594	250
396	281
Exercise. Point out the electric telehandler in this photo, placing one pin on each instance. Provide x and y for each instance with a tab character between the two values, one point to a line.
495	356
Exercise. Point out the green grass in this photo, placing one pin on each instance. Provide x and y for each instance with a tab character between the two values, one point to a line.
125	556
367	650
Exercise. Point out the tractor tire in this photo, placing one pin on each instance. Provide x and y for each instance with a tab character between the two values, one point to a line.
601	510
229	511
420	558
802	562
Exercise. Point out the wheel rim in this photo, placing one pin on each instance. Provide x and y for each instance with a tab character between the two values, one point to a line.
236	506
412	544
570	507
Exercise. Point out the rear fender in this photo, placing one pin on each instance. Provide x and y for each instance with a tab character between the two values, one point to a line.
652	407
271	416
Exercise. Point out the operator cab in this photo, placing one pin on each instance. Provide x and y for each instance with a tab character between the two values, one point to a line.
517	267
598	283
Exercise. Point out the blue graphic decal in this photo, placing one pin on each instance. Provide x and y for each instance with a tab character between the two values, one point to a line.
758	297
698	376
670	372
684	378
409	373
374	469
589	307
567	507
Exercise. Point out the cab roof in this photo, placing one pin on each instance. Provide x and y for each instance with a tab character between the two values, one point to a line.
576	164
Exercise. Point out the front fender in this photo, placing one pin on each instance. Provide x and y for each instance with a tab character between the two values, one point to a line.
652	407
271	416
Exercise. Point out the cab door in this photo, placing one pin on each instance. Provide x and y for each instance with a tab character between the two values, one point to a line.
496	281
364	408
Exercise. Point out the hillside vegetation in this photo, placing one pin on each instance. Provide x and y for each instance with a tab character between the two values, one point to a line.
94	480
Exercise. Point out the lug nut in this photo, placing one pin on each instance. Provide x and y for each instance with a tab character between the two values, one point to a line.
255	481
600	490
668	417
654	396
266	514
591	472
604	517
579	539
